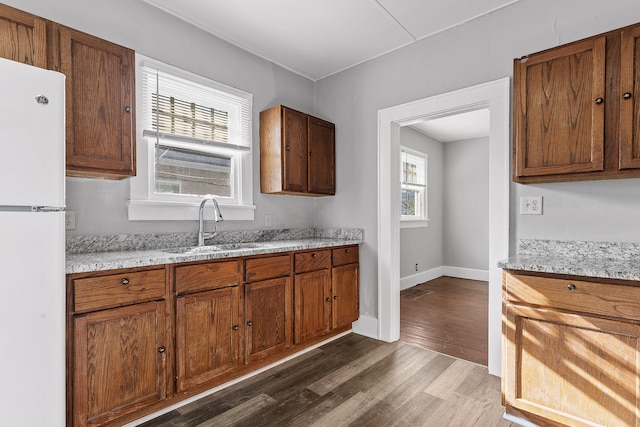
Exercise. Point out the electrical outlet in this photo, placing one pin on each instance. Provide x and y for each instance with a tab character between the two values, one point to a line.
531	205
268	220
69	220
416	266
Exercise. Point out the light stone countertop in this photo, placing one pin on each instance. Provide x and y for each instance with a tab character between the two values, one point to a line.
609	260
99	261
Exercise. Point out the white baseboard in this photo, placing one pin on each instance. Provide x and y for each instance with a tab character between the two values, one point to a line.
367	326
423	276
520	421
434	273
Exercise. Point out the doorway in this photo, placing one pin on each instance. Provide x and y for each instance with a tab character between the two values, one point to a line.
494	96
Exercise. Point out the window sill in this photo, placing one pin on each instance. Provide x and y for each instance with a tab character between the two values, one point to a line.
414	223
149	210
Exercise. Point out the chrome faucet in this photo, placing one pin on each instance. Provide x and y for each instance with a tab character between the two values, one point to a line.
218	218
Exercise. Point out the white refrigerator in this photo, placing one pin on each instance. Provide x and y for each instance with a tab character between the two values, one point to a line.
32	247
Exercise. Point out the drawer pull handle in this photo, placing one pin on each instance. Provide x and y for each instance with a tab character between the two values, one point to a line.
161	350
235	327
627	95
599	100
571	287
313	255
347	251
124	281
249	323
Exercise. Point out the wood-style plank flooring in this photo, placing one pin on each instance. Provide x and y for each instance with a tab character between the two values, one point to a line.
447	315
354	381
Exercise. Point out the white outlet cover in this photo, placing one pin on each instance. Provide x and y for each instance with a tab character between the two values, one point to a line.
531	205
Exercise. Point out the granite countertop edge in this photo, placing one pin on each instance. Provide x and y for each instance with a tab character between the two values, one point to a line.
606	268
101	261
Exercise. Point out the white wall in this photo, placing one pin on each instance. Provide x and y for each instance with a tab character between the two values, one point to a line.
466	204
479	51
100	205
423	245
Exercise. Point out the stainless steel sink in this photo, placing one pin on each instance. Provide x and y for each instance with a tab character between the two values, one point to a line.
224	247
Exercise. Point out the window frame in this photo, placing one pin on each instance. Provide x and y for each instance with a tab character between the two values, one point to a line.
421	220
145	203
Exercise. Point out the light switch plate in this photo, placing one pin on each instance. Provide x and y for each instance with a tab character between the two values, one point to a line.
531	205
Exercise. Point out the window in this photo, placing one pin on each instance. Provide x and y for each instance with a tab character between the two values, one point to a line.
193	140
413	182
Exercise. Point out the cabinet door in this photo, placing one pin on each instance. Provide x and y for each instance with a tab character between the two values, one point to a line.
207	336
346	300
312	295
119	362
630	99
559	110
268	318
100	105
294	141
571	369
23	37
321	159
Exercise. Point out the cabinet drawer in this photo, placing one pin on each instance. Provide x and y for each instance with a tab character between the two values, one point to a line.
346	255
587	297
309	261
212	275
267	268
94	293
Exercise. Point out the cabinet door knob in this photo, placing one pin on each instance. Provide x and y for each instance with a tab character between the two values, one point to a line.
571	287
599	100
311	153
328	300
335	297
235	327
249	323
161	349
124	281
287	148
127	109
627	95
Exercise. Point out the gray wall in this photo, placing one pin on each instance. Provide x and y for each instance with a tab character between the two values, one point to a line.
479	51
424	245
101	205
466	204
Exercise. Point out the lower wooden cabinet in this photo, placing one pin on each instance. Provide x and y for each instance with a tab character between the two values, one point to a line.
565	363
312	304
207	336
346	296
268	318
119	362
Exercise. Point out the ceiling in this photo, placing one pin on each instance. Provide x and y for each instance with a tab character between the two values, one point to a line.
317	38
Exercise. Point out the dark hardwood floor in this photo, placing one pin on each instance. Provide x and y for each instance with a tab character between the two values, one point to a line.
354	381
447	315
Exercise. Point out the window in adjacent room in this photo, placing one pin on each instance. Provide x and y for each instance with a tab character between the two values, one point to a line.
194	139
413	181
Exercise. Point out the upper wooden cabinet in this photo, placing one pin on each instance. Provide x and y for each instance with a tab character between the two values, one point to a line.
297	153
100	105
23	37
575	110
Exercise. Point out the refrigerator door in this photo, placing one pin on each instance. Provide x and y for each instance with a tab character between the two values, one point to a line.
32	146
32	322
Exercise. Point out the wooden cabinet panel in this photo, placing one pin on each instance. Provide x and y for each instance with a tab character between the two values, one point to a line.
119	362
297	153
312	295
207	336
267	267
23	37
100	105
559	110
575	295
322	159
571	369
345	255
630	98
309	261
294	139
268	318
113	290
211	275
346	298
